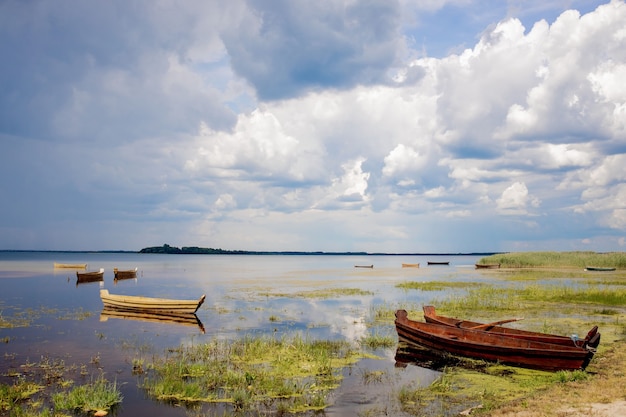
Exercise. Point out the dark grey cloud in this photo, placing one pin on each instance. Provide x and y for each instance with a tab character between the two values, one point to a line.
285	48
89	69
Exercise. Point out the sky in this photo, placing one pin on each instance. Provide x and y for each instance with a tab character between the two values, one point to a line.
430	126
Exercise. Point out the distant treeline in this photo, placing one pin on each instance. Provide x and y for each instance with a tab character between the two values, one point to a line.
195	250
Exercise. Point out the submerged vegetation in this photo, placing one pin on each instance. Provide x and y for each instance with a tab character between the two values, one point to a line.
46	389
321	294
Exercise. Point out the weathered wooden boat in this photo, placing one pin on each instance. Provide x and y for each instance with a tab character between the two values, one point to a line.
90	276
124	273
410	265
364	266
599	268
487	266
592	339
186	319
488	346
438	262
147	304
71	266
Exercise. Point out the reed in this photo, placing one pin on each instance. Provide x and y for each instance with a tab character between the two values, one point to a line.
557	259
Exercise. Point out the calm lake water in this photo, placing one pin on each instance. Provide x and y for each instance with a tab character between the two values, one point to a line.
245	295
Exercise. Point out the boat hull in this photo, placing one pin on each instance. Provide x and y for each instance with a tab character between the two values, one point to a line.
152	305
487	266
410	265
491	347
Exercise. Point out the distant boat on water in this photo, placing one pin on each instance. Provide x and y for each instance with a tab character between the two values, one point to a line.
438	262
124	273
364	266
90	276
599	268
410	265
72	266
487	266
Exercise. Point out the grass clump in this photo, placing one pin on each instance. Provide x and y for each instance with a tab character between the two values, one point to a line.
99	395
376	341
252	374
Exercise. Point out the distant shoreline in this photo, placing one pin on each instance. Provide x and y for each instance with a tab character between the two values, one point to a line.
210	251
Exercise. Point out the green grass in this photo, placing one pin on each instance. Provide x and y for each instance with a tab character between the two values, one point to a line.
557	259
601	295
252	374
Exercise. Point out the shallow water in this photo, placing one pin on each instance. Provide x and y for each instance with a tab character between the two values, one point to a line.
243	292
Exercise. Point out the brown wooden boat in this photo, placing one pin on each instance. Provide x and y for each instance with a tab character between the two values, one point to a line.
592	339
71	266
487	266
488	346
124	274
152	305
90	276
187	319
410	265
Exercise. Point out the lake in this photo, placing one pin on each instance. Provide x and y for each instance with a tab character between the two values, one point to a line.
245	295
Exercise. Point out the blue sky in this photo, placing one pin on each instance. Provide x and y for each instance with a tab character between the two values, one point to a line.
381	126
